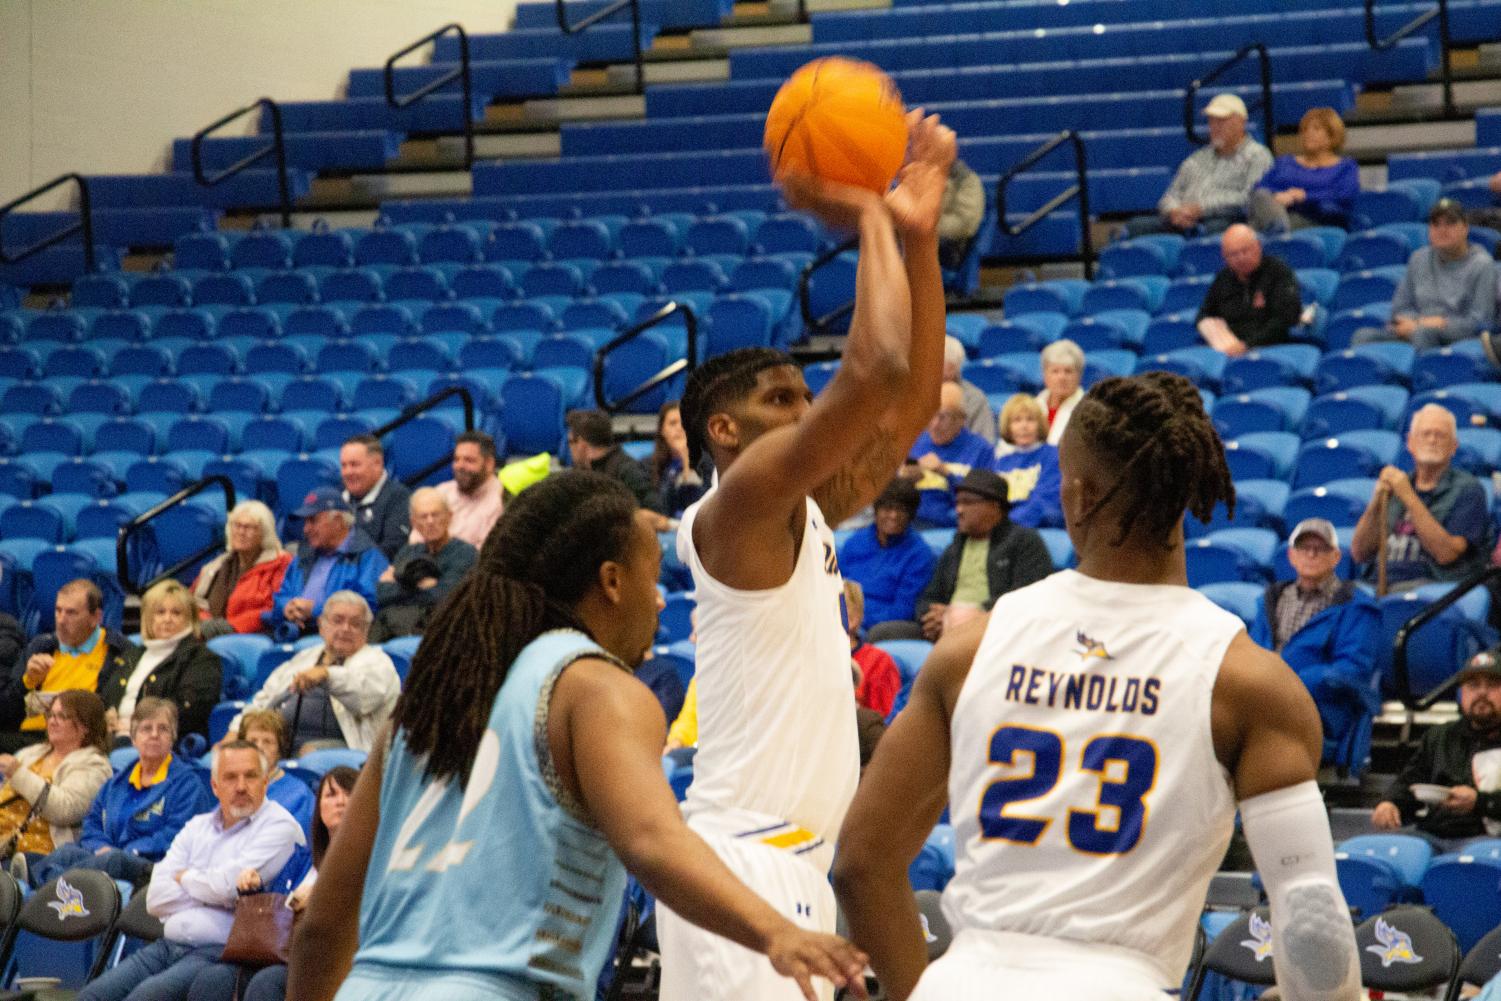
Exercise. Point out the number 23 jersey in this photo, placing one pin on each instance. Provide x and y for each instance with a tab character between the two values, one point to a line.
1088	803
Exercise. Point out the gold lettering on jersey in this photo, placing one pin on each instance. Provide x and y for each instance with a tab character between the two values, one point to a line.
561	941
1036	686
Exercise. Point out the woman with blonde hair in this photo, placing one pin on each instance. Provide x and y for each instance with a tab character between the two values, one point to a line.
1313	187
1028	464
49	787
234	589
175	665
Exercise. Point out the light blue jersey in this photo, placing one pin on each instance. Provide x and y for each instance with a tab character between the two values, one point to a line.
503	878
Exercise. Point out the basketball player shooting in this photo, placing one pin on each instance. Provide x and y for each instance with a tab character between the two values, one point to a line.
1093	739
777	761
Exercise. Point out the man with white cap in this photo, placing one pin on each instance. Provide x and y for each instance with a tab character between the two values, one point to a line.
1210	189
1326	630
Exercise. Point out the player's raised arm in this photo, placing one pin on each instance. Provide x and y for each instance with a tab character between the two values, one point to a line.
900	799
1267	731
615	731
326	935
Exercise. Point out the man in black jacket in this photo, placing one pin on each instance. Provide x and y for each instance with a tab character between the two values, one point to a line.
1253	302
1464	757
988	557
591	445
381	502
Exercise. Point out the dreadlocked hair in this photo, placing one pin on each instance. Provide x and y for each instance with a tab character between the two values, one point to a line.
717	383
536	564
1171	459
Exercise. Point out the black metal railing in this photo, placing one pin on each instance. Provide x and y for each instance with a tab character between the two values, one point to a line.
1078	190
818	325
1441	12
277	149
687	364
84	225
416	410
132	528
462	74
1191	95
573	28
1401	676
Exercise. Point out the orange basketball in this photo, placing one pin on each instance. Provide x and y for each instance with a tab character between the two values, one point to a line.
841	120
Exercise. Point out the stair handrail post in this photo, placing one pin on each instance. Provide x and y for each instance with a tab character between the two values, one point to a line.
1078	192
1439	11
560	10
84	225
277	149
463	74
630	333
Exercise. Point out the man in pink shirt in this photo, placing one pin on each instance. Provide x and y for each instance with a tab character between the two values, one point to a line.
474	494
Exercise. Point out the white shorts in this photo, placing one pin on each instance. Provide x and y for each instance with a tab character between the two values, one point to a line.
997	966
698	965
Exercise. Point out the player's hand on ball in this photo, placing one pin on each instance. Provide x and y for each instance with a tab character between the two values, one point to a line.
803	955
838	206
917	200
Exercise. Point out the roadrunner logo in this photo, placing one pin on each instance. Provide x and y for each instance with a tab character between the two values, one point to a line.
1395	945
1090	648
69	902
1260	942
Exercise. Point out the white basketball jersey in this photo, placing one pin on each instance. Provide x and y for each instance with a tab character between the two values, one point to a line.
778	753
1087	800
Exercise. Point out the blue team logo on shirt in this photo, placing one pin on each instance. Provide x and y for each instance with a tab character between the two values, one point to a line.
1090	648
1260	942
1395	945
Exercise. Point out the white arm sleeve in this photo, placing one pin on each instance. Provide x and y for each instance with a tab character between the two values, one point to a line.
1313	938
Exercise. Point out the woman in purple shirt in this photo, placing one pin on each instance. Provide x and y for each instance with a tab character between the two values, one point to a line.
1316	187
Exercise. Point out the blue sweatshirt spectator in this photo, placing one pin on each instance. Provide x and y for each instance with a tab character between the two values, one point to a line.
140	810
942	455
1028	464
335	556
1316	187
888	559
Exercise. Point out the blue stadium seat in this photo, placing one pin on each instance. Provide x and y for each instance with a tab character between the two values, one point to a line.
1200	256
1450	366
516	241
234	289
450	245
1279	365
1062	295
1365	365
1236	597
1147	255
1262	455
1060	546
490	281
1272	409
532	420
384	391
261	248
33	519
156	474
385	246
296	288
1213	563
83	476
102	291
350	285
1358	289
323	247
1339	458
737	321
1328	501
580	238
418	284
1460	887
312	392
1373	249
299	476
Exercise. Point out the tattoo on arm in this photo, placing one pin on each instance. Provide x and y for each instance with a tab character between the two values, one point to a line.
860	479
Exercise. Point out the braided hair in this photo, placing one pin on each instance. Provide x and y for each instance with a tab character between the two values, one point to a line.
541	558
1171	459
719	382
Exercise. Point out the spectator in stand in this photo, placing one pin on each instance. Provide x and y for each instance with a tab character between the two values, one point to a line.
1253	302
941	457
989	557
1210	189
889	560
474	495
962	213
49	786
175	665
877	679
423	572
140	810
1325	629
12	640
1028	464
1437	525
337	555
76	655
591	445
380	502
235	589
673	476
978	417
1062	374
219	981
1449	291
1464	757
1314	187
338	693
265	730
194	889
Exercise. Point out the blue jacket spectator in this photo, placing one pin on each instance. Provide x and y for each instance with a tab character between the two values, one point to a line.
1317	187
1326	630
140	810
942	455
1028	464
888	559
335	556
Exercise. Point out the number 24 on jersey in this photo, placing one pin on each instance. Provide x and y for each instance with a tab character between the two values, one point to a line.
1126	769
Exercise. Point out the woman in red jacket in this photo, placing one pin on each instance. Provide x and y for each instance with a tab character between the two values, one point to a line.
234	589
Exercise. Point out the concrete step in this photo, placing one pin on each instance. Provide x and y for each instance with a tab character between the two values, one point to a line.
425	184
671	71
753	36
1469	94
583	109
504	146
1376	142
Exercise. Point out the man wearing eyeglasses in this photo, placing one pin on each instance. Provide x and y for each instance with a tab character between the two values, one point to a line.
1326	629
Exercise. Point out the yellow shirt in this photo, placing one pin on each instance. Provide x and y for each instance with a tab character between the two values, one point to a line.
71	670
684	729
156	778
